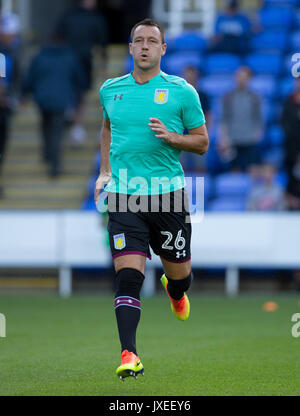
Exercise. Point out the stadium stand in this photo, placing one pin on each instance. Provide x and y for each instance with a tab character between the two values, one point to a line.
269	41
191	41
176	62
222	63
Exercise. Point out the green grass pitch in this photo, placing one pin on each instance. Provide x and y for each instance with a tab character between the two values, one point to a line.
227	347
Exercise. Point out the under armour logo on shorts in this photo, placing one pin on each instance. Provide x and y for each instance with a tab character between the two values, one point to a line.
179	254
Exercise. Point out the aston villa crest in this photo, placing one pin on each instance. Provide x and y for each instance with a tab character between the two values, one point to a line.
119	241
161	96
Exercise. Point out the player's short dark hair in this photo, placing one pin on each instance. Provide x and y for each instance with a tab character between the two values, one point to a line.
149	22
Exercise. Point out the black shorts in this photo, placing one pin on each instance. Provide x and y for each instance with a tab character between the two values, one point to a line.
161	221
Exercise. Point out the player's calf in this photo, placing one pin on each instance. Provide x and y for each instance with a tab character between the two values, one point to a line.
128	306
128	311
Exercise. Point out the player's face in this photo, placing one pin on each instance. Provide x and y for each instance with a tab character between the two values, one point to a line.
147	47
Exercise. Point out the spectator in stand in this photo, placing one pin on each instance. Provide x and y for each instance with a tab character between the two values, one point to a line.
241	125
291	127
232	31
191	161
266	194
83	28
54	77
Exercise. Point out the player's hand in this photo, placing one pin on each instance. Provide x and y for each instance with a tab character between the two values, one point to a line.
162	132
103	180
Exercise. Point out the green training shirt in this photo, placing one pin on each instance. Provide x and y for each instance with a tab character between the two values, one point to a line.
140	162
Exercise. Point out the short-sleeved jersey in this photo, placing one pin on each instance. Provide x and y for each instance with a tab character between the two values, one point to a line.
140	162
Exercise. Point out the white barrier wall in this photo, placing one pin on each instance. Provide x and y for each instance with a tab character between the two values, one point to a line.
29	239
52	239
247	240
77	239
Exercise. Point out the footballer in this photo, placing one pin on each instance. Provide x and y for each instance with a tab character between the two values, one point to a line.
146	113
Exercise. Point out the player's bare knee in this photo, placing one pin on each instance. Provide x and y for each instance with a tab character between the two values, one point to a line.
177	271
130	261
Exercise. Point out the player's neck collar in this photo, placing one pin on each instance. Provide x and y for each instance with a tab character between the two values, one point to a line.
147	82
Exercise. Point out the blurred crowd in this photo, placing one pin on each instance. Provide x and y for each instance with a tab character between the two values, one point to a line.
57	78
251	152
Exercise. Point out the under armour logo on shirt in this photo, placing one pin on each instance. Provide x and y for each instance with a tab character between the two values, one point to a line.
118	97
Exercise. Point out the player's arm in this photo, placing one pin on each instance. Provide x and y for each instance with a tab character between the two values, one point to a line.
197	141
105	169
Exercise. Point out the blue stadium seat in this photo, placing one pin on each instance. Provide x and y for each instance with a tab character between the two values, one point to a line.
271	40
88	205
286	87
268	111
217	85
281	2
176	62
262	63
275	156
276	17
232	185
264	85
214	162
227	205
190	40
282	179
216	108
297	17
163	64
274	135
208	186
295	41
222	63
170	41
128	65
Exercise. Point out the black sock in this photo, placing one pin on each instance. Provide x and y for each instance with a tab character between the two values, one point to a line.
128	307
176	288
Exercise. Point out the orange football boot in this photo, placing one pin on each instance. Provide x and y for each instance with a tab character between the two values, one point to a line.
181	307
130	366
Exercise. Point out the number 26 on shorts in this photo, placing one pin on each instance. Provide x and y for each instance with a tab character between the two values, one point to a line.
179	241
